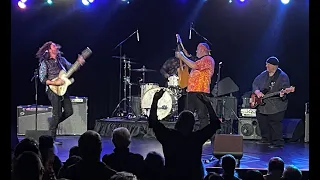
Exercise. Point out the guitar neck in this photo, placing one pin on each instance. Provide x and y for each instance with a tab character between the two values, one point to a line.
271	94
73	68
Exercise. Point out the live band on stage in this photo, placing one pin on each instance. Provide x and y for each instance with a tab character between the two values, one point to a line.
187	77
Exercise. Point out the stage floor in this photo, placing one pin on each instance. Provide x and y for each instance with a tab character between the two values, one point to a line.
255	156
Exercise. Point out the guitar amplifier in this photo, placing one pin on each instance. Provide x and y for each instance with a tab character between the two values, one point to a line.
225	107
248	112
26	118
77	123
74	125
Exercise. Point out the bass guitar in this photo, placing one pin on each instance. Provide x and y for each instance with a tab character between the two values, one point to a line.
255	101
65	76
183	70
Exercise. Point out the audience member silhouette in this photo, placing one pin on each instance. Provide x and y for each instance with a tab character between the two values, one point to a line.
154	166
228	164
275	169
291	172
28	166
181	146
74	157
90	167
122	159
213	176
253	175
49	158
123	176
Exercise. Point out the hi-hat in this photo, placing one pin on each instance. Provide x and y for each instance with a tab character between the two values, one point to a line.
143	70
125	59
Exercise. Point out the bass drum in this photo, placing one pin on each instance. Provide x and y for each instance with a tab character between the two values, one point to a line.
147	86
164	103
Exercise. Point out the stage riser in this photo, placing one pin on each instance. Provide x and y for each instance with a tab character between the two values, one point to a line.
137	128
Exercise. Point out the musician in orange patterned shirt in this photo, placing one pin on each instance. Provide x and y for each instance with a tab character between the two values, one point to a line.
199	81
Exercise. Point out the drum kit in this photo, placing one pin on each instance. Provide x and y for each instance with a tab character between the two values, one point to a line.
167	105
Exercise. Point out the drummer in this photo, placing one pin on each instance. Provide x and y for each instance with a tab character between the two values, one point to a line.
171	65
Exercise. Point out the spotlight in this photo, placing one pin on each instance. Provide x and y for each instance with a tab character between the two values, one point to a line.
285	1
21	5
241	0
91	1
85	2
49	1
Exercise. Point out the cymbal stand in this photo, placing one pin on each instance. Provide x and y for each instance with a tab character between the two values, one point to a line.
143	74
120	74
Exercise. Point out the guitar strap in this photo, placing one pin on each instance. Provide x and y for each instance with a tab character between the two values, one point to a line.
270	82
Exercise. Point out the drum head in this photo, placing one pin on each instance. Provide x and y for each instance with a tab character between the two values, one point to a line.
164	103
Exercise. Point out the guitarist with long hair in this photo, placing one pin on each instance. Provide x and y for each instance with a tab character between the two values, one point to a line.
271	113
51	63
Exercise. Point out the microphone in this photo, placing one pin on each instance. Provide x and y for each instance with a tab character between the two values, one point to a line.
138	38
220	63
190	29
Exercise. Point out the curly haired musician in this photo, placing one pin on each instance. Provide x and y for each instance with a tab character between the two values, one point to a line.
270	114
51	63
199	80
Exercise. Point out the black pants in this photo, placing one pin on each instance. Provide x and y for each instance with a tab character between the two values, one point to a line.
271	127
58	115
195	105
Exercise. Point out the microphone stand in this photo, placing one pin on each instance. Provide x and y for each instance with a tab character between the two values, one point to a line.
125	75
35	79
201	36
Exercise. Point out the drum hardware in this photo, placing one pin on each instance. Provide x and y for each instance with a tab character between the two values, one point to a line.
128	63
143	70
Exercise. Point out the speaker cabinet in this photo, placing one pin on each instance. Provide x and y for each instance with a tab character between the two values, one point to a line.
77	123
226	107
26	118
74	125
249	128
228	144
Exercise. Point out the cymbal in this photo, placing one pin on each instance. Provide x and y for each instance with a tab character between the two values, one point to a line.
143	70
123	57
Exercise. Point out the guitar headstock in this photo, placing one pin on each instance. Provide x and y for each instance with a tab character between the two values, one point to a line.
86	53
178	38
289	90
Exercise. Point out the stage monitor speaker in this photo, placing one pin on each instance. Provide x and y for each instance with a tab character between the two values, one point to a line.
27	120
77	123
228	144
293	129
306	123
249	128
35	134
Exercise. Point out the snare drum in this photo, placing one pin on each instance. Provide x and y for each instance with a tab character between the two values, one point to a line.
147	86
173	81
164	104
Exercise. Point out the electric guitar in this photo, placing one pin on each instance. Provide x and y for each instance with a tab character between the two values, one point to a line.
65	76
183	70
255	101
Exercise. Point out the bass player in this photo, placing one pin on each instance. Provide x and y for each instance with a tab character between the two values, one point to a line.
271	114
51	63
199	81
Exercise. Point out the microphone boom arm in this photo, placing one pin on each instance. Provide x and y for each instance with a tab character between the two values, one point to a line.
201	36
